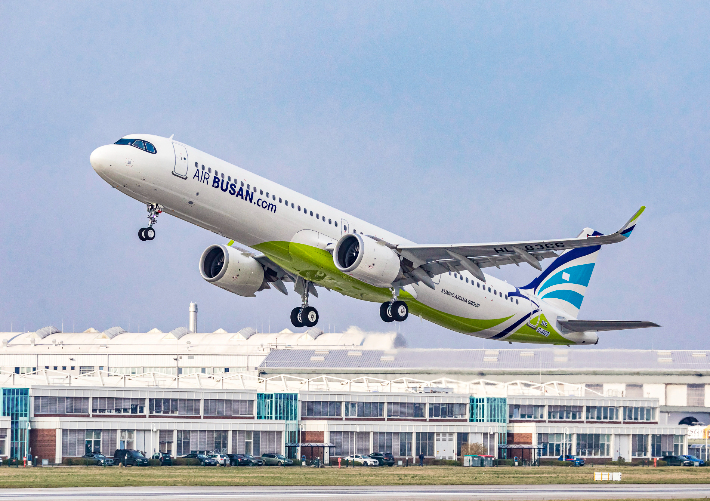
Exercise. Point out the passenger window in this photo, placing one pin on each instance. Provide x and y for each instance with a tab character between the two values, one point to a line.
261	192
267	194
466	279
460	277
196	166
478	285
317	216
329	221
209	170
311	213
299	208
139	144
280	201
489	289
336	224
222	175
247	187
216	173
455	275
203	167
229	178
150	148
242	184
274	197
516	301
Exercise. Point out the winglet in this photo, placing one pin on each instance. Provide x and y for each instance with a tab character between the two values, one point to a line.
626	230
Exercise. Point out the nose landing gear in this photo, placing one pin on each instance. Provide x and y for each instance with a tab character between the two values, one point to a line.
394	310
154	210
305	316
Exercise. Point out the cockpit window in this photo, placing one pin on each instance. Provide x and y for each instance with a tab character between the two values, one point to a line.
138	143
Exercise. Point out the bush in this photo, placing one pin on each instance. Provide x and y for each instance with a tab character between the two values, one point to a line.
445	462
153	462
79	461
504	462
661	463
186	462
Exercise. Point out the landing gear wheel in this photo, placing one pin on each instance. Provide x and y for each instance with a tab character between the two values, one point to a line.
297	317
149	233
386	312
400	311
309	316
141	234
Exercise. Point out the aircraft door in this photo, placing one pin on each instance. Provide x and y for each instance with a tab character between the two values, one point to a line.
344	227
180	169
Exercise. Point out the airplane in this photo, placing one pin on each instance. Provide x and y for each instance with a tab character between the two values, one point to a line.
296	239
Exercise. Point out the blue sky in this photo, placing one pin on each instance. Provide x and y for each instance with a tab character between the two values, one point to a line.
443	122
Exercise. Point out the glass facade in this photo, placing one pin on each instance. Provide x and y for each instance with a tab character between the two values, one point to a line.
553	444
488	410
277	406
16	404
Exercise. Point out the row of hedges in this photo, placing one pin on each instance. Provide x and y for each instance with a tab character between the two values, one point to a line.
79	462
185	462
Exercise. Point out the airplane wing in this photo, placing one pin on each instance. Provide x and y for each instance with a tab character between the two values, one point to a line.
604	325
437	259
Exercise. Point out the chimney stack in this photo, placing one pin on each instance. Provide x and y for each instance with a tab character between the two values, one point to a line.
193	317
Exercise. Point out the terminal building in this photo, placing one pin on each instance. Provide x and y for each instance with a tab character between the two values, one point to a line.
329	395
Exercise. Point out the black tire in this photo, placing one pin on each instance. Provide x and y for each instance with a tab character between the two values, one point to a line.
297	317
149	233
399	311
279	463
310	316
386	313
141	234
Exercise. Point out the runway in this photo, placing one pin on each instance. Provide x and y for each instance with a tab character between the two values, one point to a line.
357	493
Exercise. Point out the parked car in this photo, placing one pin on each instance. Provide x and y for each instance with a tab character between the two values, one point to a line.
238	460
677	461
207	460
129	457
101	460
360	459
575	460
694	459
222	459
383	458
164	458
255	461
271	459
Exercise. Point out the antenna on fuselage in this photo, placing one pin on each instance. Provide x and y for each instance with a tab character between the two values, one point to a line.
171	136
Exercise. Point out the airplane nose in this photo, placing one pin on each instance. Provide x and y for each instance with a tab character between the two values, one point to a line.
99	159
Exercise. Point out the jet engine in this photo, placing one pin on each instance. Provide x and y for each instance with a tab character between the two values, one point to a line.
366	259
231	270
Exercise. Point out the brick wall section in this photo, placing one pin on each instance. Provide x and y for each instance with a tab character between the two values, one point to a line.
520	438
314	437
43	443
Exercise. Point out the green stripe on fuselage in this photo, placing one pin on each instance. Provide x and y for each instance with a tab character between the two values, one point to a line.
527	334
316	265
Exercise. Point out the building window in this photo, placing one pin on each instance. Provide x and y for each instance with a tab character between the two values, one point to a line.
350	442
92	442
598	413
639	414
127	439
85	369
526	411
593	444
638	445
365	409
223	407
553	444
321	409
447	411
696	395
425	443
57	406
564	412
111	405
405	410
678	444
461	438
175	406
663	445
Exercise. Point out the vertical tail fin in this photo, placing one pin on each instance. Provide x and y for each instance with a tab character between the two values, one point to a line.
564	283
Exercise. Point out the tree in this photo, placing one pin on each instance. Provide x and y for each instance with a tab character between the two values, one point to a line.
475	449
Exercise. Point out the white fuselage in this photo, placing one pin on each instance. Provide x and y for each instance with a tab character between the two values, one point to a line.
273	212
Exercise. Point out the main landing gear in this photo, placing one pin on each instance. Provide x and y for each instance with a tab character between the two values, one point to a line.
305	316
154	210
394	310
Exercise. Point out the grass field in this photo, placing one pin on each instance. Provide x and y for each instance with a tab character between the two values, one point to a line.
432	475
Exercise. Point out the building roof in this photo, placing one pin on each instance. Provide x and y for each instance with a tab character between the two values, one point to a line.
489	361
247	340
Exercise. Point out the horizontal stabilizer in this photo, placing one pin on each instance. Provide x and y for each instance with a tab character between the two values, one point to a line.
604	325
